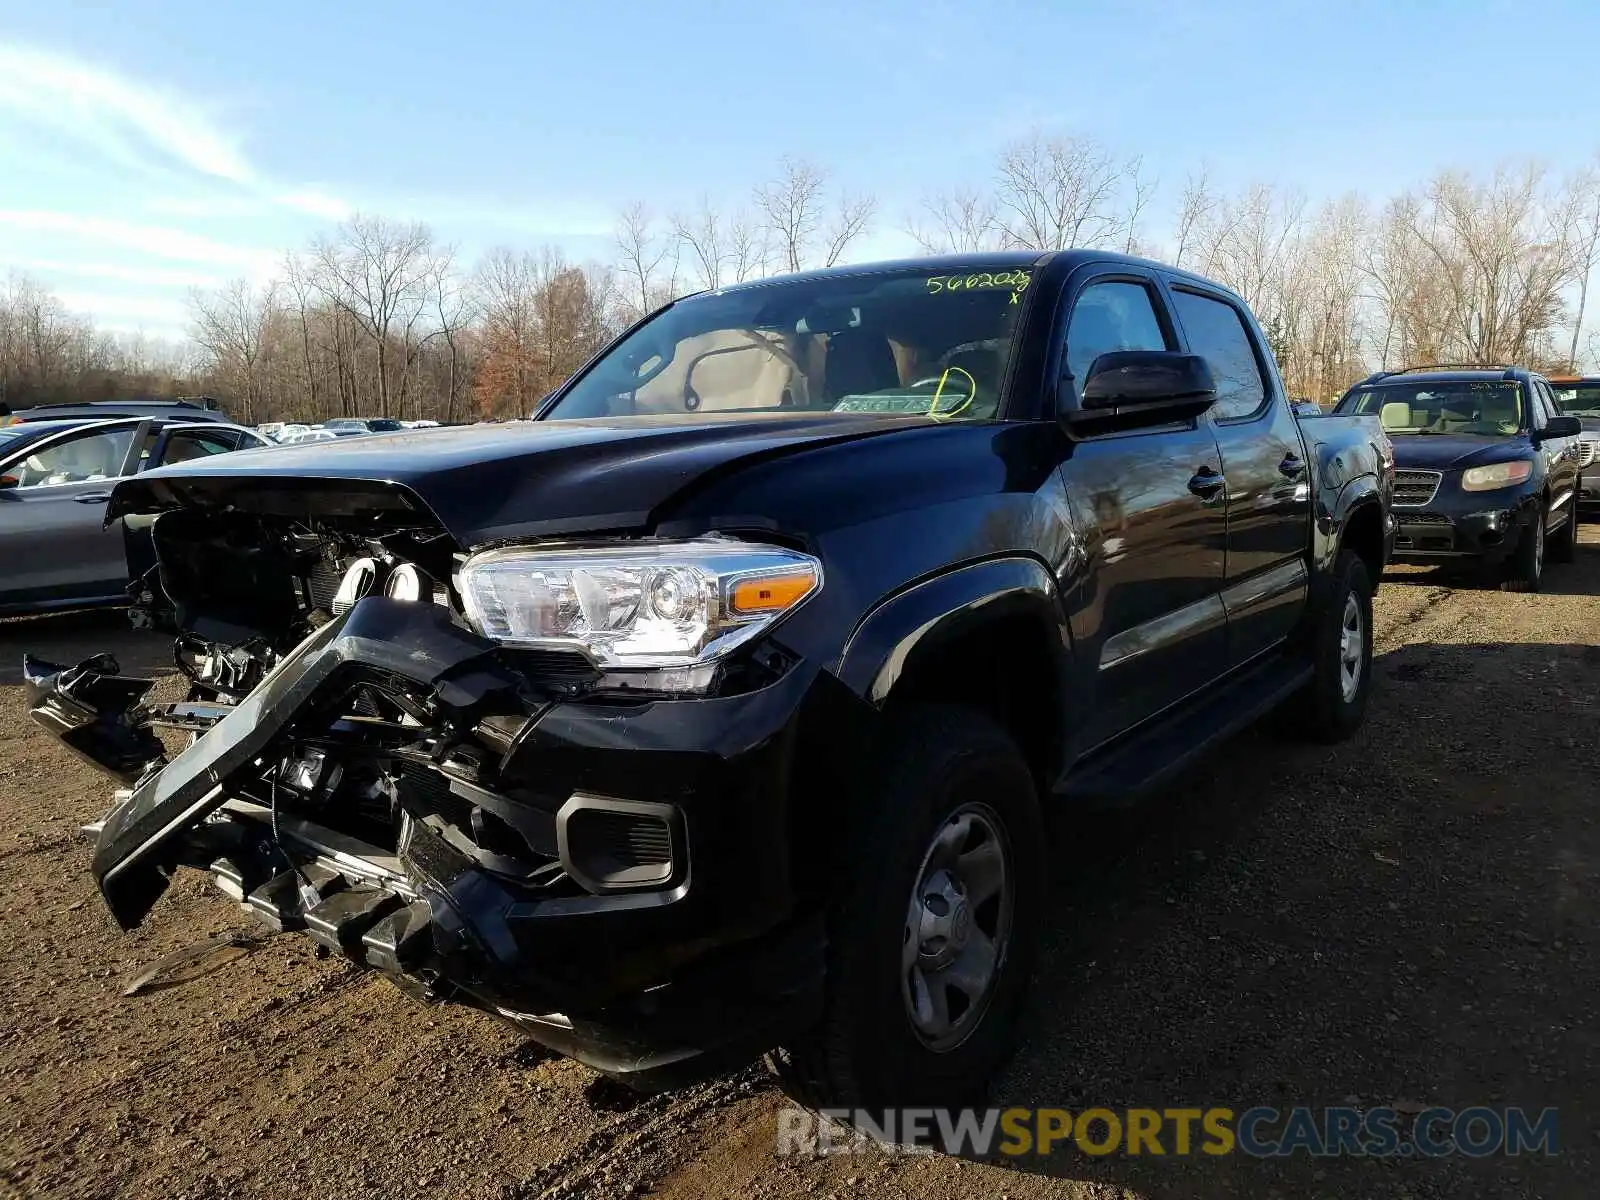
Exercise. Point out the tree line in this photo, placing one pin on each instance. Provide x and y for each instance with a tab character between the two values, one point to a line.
378	317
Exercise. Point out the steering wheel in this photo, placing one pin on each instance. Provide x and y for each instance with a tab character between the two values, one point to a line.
939	382
691	398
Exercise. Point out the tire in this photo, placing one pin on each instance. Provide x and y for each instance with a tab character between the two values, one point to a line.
946	780
1563	547
1525	570
1333	705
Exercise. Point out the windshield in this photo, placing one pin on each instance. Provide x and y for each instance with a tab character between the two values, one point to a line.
1465	406
1579	399
927	341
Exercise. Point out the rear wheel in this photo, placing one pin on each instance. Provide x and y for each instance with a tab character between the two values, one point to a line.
1525	571
1333	705
932	938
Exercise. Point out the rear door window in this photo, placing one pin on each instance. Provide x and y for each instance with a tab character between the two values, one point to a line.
188	444
1216	331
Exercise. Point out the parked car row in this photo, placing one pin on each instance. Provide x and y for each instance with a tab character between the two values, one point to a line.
337	427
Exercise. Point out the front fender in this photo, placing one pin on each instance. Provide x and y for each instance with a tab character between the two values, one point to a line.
933	612
1334	508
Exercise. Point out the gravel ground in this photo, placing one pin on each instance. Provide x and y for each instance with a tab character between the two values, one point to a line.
1407	919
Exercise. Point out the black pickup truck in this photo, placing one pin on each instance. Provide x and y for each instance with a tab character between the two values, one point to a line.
715	710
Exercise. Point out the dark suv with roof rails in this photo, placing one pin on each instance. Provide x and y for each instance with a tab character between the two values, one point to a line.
1486	466
184	408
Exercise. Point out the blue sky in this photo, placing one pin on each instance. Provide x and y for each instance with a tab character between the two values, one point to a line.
151	147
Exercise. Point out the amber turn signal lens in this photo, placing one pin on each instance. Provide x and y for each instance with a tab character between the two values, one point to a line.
771	593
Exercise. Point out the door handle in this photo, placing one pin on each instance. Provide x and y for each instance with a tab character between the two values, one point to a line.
92	498
1207	484
1292	466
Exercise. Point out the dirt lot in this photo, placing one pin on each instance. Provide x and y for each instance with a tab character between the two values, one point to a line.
1409	918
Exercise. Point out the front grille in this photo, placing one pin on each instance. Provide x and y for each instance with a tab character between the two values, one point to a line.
1415	488
1586	453
632	841
1424	519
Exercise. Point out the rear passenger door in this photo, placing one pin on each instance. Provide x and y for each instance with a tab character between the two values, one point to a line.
1561	459
1148	615
1267	478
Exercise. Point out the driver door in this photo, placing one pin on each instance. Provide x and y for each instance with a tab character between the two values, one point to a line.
52	543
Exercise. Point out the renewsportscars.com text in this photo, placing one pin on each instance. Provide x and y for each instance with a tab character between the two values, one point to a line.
1259	1132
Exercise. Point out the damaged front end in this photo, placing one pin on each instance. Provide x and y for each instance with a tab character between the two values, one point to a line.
483	823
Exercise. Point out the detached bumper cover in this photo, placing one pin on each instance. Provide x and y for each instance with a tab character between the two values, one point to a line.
645	984
137	844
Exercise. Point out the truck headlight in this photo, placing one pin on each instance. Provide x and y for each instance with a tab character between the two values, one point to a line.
1496	475
643	605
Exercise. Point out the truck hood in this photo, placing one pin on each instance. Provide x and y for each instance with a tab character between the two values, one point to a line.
1455	451
491	483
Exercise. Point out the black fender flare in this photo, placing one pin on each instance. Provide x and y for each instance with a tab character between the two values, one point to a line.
929	613
1331	523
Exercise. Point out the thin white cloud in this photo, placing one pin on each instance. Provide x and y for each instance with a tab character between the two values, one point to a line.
160	135
87	103
121	272
155	240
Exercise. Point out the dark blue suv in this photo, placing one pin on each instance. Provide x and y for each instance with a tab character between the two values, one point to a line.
1486	466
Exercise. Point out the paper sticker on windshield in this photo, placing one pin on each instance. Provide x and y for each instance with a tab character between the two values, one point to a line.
1015	282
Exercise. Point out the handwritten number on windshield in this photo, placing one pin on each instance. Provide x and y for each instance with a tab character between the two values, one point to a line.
1014	281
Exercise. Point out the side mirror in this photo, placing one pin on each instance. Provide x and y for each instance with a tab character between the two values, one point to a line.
1562	427
1146	387
1306	408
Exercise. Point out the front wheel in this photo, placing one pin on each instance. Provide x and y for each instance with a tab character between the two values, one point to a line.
1564	545
1525	572
932	937
1334	703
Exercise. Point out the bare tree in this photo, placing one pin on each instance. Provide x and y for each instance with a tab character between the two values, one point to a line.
851	217
644	251
791	206
452	309
960	221
1580	219
747	248
704	233
1194	212
232	326
1141	189
377	271
1061	191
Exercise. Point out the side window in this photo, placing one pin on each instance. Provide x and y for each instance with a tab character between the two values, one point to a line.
1548	405
182	447
85	458
1217	333
1115	315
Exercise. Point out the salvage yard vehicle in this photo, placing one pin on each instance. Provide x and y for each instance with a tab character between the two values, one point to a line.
192	408
55	479
1487	466
1579	396
715	711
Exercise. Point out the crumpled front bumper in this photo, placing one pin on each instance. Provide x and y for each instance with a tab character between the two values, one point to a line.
650	984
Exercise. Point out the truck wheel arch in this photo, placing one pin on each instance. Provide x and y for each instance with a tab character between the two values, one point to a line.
946	637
